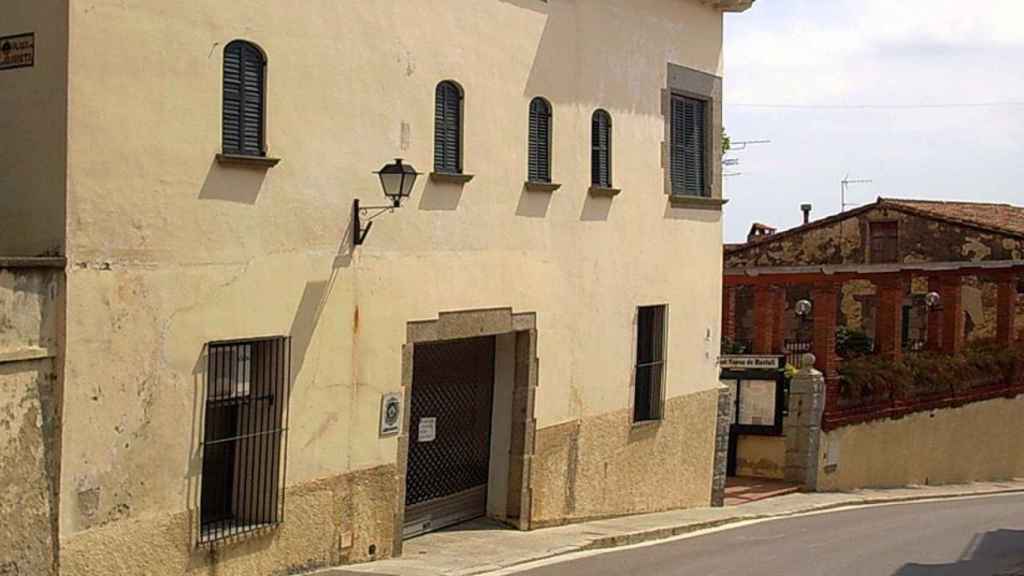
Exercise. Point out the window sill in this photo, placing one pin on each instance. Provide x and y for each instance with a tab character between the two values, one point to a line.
603	192
450	178
541	186
245	160
698	202
646	424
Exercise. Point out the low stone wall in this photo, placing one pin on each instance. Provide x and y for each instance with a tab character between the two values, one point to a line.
31	291
604	466
975	442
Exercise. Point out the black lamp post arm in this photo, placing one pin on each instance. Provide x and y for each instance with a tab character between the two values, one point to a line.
361	215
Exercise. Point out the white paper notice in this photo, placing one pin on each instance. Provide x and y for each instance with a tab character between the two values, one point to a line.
427	430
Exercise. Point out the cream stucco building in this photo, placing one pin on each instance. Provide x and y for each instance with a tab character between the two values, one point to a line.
220	357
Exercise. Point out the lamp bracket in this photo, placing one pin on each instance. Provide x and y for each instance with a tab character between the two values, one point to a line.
361	215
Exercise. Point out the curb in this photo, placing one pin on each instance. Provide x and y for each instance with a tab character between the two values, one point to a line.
618	541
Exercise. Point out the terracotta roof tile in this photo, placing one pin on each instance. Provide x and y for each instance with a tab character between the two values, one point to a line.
1003	218
999	218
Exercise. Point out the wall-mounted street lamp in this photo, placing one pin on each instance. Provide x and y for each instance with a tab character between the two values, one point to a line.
933	300
803	309
397	180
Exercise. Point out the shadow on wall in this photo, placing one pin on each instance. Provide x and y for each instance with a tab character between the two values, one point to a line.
440	196
596	209
577	37
533	204
998	552
239	184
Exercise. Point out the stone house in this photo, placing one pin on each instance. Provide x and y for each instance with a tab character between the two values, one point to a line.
211	363
888	231
872	271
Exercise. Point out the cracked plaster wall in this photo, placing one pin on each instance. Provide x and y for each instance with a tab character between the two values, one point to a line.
170	250
29	413
33	116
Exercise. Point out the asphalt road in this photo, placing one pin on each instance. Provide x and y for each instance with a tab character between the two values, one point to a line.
975	537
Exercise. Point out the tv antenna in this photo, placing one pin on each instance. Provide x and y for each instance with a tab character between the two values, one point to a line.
846	182
742	144
734	162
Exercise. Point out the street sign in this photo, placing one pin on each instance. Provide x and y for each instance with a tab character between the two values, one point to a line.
751	362
17	51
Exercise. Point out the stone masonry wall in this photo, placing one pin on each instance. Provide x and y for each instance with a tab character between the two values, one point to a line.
29	418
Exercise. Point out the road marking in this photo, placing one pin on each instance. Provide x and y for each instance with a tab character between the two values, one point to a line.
519	568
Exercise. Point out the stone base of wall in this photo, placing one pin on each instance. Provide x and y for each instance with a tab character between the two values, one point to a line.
28	431
329	522
976	442
604	466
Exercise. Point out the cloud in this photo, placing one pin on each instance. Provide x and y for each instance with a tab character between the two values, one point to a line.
883	52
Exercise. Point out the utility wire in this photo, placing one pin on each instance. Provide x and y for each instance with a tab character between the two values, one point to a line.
879	106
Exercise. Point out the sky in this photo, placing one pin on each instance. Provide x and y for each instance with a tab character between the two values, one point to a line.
924	97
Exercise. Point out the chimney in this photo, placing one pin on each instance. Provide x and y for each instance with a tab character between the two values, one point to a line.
806	208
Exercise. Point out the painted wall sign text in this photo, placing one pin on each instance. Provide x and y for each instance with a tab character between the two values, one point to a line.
17	51
751	362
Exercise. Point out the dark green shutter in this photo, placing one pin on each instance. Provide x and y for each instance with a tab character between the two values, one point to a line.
601	150
540	141
688	162
244	78
448	129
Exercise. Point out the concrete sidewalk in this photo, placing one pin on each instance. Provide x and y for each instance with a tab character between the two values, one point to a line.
483	546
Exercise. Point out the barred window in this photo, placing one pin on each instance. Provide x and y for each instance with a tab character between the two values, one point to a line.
539	169
650	363
243	119
244	447
448	128
601	150
688	160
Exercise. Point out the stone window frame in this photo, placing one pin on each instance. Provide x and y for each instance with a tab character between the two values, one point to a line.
474	324
691	83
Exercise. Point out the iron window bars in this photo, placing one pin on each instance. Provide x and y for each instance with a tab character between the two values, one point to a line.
650	363
688	161
248	383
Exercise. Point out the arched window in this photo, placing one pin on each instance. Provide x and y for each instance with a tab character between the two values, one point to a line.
244	99
539	169
601	150
448	129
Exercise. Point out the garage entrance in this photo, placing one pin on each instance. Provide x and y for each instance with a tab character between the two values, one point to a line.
449	433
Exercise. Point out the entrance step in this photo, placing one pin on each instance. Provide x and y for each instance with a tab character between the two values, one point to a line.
741	490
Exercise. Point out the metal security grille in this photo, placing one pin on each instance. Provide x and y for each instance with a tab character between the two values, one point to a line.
650	363
245	428
601	149
688	147
243	114
540	141
448	129
452	383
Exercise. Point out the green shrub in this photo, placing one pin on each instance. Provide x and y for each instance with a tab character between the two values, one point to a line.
982	363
